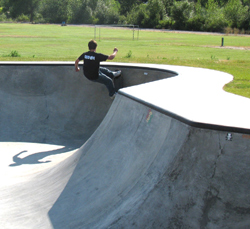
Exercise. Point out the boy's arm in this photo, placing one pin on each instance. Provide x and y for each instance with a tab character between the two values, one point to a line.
76	65
112	56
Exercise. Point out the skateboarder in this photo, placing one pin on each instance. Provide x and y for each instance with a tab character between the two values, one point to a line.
92	69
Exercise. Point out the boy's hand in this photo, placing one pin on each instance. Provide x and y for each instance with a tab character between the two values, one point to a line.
76	65
112	56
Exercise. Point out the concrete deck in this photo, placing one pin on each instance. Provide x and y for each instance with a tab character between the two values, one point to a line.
172	153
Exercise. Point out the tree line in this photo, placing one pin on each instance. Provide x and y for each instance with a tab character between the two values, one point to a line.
192	15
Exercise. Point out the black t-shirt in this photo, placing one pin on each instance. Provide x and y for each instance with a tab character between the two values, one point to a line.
92	63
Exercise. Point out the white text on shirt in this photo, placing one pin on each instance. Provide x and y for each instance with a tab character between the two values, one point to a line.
89	57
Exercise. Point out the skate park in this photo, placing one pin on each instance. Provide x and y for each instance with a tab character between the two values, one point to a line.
170	151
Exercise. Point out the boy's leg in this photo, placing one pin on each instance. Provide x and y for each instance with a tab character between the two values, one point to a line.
107	81
107	72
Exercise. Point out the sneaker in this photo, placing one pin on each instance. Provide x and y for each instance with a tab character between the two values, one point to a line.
117	73
113	96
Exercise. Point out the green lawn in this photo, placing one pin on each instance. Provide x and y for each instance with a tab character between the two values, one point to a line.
66	43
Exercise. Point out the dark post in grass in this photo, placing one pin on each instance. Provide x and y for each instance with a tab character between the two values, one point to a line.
222	42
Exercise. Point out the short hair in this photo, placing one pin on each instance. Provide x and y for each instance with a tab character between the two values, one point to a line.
92	44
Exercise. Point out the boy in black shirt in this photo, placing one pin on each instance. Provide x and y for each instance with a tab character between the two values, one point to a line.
92	69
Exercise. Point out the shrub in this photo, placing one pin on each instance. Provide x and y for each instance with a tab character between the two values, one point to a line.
129	54
3	17
12	54
23	18
166	23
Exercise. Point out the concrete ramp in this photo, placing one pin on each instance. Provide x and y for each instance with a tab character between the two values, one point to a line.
160	158
143	169
120	165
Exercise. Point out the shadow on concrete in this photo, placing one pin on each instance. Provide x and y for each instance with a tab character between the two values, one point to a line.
37	157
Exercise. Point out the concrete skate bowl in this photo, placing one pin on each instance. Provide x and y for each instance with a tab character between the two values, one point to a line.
170	151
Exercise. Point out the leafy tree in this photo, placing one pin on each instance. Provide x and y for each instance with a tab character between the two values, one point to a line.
204	15
246	3
197	18
22	7
215	20
168	4
54	11
147	15
81	11
236	14
156	11
107	12
139	15
180	13
127	5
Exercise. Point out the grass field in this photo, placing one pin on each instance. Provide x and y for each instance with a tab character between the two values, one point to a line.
27	42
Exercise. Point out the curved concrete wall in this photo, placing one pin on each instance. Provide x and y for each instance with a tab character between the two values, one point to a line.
172	153
51	103
144	169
